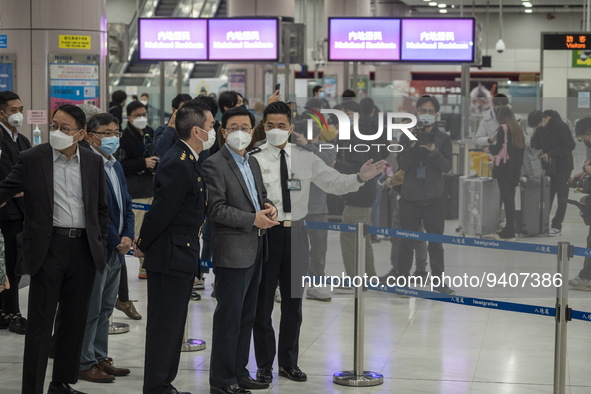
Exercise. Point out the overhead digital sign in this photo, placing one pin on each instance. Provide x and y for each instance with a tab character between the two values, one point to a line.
437	40
567	41
364	39
173	39
243	39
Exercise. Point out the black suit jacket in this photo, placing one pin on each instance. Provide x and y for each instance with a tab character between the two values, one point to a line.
33	175
14	208
169	236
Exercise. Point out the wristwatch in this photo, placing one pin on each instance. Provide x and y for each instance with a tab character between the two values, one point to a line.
359	179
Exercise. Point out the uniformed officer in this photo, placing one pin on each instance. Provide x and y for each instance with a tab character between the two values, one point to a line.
169	237
287	172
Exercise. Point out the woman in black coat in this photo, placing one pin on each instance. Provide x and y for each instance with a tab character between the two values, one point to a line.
507	149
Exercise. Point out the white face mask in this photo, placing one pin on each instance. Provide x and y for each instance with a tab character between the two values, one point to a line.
277	137
210	139
239	139
145	102
16	120
60	141
140	123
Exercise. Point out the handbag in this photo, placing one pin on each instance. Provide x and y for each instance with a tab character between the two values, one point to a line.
532	165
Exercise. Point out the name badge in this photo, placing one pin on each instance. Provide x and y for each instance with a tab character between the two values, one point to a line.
421	173
294	184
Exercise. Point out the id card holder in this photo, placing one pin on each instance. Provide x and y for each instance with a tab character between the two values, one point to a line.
421	173
294	184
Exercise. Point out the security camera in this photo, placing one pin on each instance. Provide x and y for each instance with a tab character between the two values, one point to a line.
500	47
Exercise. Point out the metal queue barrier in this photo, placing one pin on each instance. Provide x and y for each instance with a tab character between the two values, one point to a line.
189	344
561	312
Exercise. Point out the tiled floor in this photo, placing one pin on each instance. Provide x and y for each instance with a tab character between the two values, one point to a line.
419	346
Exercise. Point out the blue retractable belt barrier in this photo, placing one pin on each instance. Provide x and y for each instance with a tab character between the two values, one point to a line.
462	241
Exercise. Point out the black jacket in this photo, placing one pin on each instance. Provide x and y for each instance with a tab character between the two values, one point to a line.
33	175
116	110
509	171
351	162
170	233
557	141
15	207
132	154
430	187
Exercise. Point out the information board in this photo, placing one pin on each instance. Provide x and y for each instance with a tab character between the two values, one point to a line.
73	79
364	39
173	39
243	39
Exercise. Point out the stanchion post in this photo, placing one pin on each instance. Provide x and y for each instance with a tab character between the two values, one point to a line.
117	328
563	315
358	377
190	344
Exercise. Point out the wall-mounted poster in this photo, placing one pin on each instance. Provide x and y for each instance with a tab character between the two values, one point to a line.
73	79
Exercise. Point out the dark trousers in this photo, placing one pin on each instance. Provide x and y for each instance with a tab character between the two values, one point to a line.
318	245
168	300
559	188
507	193
123	285
9	298
287	269
586	271
236	291
67	277
432	216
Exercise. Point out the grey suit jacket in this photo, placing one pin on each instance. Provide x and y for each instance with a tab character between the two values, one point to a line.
232	214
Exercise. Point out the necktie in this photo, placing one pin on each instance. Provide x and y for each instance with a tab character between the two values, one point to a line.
284	190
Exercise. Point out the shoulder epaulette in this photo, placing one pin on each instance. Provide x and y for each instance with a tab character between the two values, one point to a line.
183	155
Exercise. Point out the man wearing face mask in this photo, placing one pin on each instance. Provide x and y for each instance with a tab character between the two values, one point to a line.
488	124
145	99
64	243
288	171
139	162
240	214
95	365
12	214
424	162
169	237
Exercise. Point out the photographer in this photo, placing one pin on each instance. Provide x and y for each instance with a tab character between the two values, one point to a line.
139	162
583	180
424	162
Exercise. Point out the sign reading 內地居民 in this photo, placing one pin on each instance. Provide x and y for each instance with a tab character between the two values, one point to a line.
359	39
437	40
243	39
173	39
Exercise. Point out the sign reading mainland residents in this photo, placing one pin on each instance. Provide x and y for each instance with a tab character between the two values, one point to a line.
364	39
173	39
243	39
67	41
37	116
437	40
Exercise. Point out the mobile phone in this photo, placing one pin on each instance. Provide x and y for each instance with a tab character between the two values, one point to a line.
277	87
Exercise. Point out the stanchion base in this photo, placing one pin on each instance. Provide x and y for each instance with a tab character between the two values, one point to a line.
193	345
118	328
348	378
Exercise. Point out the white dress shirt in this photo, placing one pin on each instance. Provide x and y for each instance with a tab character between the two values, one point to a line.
68	204
306	167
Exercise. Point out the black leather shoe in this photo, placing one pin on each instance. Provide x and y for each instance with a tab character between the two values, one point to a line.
175	391
18	325
232	389
265	375
250	383
62	388
293	373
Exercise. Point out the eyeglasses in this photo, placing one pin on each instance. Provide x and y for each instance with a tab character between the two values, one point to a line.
63	129
117	134
424	111
235	128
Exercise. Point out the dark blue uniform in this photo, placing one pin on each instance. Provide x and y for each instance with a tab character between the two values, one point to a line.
169	237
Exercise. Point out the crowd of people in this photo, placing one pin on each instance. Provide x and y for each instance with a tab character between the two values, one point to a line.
236	194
